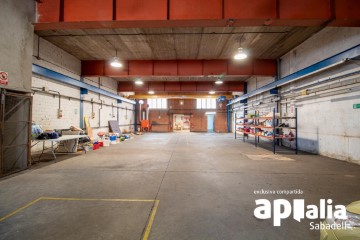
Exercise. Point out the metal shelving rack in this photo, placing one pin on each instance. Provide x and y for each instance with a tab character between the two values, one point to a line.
274	128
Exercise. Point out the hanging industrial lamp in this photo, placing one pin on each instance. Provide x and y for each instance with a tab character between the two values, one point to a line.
139	82
240	54
218	82
115	62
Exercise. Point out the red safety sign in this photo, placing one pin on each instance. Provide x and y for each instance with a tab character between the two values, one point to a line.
4	78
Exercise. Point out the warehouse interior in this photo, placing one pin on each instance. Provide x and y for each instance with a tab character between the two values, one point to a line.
164	119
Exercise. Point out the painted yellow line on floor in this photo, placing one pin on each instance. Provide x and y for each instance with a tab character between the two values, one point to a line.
20	209
98	199
148	226
151	221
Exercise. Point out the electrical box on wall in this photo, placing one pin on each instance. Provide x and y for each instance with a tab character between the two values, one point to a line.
60	113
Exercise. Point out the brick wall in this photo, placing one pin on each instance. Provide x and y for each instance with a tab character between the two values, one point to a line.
45	106
162	118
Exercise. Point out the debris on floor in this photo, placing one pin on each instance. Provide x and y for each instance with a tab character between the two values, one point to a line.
269	157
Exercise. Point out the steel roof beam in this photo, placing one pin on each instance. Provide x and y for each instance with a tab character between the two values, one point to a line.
86	14
94	68
171	87
45	72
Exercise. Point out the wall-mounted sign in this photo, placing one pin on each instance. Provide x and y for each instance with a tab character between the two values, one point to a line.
355	106
4	78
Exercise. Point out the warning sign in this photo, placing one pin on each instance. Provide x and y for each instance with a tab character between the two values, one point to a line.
4	78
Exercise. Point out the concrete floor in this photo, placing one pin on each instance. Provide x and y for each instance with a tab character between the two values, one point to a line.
204	183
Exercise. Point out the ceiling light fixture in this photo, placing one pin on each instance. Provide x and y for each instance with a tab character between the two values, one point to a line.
115	62
241	53
218	82
139	82
151	92
212	92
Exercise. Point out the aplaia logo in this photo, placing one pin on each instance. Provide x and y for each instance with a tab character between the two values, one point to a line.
282	209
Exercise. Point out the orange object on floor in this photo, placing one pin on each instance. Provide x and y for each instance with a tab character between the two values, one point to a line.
145	125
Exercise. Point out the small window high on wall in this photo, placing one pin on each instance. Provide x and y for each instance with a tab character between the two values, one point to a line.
206	103
157	103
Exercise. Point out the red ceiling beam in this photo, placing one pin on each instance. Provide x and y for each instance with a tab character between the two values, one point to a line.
88	10
129	10
169	86
190	67
215	67
82	14
49	11
199	9
162	87
140	68
165	68
347	13
93	67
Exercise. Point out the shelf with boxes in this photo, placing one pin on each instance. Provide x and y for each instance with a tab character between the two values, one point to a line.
271	126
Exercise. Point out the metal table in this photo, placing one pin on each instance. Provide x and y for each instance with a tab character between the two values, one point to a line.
54	142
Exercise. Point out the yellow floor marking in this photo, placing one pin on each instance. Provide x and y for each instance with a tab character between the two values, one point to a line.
151	220
19	209
148	226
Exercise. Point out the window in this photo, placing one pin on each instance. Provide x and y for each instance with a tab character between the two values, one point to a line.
159	103
206	103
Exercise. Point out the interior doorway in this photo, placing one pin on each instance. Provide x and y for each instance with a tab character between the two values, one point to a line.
210	122
181	123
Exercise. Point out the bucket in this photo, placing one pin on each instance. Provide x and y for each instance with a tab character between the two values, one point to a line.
96	146
106	142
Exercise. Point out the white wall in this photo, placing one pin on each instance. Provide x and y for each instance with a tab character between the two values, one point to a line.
326	43
17	32
330	126
45	106
327	125
257	82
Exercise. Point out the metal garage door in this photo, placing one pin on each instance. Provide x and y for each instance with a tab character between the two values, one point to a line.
15	132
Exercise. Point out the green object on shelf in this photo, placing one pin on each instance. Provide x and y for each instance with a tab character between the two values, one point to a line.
356	106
